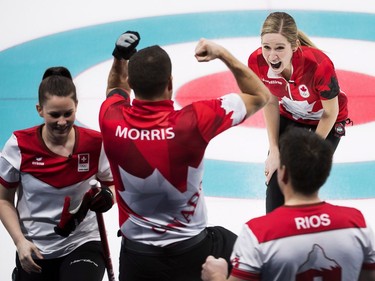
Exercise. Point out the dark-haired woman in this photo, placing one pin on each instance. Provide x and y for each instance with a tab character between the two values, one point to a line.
49	168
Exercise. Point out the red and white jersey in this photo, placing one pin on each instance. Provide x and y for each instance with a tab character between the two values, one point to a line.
44	179
313	79
305	243
156	155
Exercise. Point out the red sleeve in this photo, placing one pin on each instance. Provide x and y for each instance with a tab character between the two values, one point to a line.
326	80
253	62
115	96
243	275
8	185
368	266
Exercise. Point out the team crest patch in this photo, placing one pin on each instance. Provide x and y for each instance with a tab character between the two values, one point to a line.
83	162
303	91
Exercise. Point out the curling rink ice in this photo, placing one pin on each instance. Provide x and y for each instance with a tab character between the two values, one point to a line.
80	35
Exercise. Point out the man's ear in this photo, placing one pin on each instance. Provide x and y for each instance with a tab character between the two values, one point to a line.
284	176
170	83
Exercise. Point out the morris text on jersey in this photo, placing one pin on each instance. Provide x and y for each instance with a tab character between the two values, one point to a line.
143	134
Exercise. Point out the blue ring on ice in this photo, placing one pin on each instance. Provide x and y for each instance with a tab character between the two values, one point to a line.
22	66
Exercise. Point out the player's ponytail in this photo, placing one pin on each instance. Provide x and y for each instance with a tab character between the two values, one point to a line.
56	81
57	70
305	40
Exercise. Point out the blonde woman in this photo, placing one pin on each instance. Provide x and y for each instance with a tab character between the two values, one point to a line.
305	91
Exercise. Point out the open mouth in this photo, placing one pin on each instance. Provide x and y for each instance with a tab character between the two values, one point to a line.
62	130
275	65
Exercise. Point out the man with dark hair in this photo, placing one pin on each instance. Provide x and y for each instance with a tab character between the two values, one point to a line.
147	80
156	156
306	239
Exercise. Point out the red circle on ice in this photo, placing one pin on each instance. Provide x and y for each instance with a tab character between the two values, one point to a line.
357	86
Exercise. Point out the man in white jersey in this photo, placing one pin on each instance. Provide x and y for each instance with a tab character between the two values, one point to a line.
156	157
306	239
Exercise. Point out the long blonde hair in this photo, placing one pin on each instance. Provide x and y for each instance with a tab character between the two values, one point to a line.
284	24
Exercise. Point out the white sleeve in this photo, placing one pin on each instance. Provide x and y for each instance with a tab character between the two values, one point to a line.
10	161
233	102
369	247
12	153
246	255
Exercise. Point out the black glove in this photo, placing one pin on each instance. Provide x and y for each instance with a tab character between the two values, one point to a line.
102	200
70	219
125	45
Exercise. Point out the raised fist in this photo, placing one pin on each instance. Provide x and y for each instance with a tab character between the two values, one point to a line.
126	45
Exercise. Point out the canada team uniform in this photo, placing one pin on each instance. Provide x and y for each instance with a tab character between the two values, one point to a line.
318	242
44	179
156	155
313	79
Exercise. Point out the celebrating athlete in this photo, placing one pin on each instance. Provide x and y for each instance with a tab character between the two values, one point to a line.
306	239
156	155
305	91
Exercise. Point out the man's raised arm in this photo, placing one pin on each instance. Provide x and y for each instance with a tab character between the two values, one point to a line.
125	47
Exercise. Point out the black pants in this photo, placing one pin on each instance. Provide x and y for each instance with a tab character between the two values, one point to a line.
274	197
174	265
86	263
